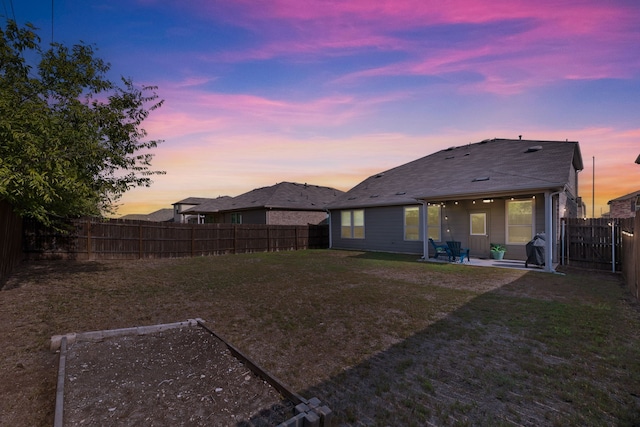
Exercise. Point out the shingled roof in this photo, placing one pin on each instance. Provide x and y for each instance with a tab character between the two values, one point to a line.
625	197
208	205
161	215
489	167
194	201
284	195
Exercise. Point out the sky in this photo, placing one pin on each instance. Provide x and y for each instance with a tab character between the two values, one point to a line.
330	92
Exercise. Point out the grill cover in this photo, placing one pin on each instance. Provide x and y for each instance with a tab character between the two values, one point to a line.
535	250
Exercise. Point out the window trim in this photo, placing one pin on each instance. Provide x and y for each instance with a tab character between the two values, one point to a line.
437	226
506	220
236	218
417	226
484	216
352	227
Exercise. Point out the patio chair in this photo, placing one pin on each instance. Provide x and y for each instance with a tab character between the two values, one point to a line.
440	250
457	251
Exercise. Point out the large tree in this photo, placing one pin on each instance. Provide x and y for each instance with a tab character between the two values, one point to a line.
71	141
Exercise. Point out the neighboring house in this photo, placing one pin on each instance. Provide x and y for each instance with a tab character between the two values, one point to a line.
286	203
161	215
179	208
495	191
625	206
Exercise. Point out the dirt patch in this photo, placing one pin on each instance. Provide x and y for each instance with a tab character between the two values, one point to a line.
180	377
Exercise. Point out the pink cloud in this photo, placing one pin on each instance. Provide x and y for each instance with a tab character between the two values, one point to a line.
188	111
363	19
568	41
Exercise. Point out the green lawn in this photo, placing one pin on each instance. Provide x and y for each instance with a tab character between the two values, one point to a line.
382	339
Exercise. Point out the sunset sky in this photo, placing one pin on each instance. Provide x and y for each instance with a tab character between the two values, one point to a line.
330	92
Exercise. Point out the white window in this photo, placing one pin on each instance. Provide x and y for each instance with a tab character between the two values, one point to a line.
412	223
478	224
434	222
519	221
352	224
236	218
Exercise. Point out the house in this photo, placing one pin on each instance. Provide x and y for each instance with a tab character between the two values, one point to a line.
285	203
161	215
625	206
495	191
179	208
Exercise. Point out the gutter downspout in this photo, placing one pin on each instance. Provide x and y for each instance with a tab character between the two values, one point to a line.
330	229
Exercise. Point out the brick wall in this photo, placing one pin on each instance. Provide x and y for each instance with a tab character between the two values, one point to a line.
275	217
622	208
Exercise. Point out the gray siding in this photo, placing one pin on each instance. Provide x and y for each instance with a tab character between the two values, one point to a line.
383	231
384	227
572	185
248	217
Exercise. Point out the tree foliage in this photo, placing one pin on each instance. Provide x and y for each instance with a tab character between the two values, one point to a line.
71	141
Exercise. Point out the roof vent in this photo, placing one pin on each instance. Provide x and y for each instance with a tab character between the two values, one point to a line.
450	148
481	178
534	148
380	175
401	193
352	198
373	196
467	154
450	157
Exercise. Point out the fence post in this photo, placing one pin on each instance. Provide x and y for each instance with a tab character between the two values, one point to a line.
235	243
613	246
268	238
89	238
193	240
140	241
562	239
636	253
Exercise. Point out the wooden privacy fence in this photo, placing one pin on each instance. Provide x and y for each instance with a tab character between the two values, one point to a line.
98	239
631	256
10	240
594	243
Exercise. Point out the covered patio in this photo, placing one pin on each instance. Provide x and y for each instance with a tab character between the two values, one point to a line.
497	263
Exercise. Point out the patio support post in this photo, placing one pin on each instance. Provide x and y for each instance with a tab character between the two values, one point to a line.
425	227
548	231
